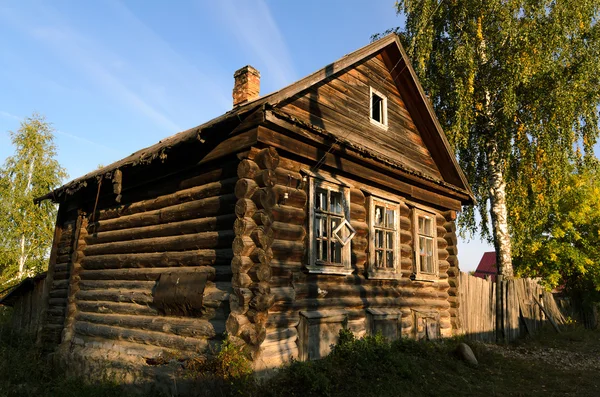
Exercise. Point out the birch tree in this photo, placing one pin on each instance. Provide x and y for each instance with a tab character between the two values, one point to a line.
26	228
516	85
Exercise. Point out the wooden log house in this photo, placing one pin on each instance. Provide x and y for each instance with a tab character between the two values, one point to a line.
330	203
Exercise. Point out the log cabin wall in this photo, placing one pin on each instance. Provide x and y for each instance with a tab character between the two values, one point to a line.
355	300
57	280
153	274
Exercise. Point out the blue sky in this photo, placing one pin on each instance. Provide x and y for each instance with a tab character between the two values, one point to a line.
116	76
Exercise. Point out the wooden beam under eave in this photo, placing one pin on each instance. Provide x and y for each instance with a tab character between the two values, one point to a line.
335	160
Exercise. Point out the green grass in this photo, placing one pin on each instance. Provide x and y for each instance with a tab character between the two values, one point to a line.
566	364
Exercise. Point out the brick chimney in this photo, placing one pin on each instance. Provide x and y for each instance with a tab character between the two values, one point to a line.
247	85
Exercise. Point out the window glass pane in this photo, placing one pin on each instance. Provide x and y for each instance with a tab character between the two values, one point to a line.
378	238
389	240
379	258
379	215
336	202
429	247
428	227
319	230
376	106
421	225
389	218
336	252
324	250
321	199
390	259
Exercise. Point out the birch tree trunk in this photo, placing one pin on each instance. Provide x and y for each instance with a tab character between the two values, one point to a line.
499	212
23	256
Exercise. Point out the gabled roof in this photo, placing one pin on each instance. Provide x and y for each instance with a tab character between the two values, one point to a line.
487	264
402	72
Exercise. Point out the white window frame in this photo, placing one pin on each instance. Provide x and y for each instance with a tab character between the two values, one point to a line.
384	108
315	266
383	273
421	275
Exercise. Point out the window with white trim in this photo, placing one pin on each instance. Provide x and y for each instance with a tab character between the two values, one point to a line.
425	242
330	231
384	238
378	108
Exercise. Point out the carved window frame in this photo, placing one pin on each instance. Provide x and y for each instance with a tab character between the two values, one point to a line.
314	264
374	271
417	235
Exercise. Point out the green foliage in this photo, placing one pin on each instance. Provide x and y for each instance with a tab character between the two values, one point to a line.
516	82
27	228
565	249
230	362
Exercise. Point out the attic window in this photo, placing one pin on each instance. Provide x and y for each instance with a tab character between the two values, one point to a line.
378	107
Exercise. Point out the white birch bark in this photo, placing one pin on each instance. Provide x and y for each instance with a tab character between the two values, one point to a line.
499	213
23	255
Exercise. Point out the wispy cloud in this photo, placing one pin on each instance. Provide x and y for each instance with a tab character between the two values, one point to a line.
76	49
89	142
255	28
8	115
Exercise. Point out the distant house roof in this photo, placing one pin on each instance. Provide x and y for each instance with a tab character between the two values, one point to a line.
487	265
8	298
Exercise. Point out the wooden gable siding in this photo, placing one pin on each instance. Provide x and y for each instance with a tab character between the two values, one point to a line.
340	105
177	230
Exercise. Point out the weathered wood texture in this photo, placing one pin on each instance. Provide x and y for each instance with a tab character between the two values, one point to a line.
521	313
156	272
340	105
58	283
295	290
27	315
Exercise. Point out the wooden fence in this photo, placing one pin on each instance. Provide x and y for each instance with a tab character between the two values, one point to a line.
502	311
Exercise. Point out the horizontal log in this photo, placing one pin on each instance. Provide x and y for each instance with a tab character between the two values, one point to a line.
60	284
267	158
220	273
262	218
254	335
198	241
236	323
241	264
244	226
207	207
286	231
283	195
247	169
116	307
62	267
194	193
285	177
190	327
262	256
262	236
290	250
357	302
59	293
280	336
359	243
140	336
357	196
203	177
262	302
61	275
240	280
85	285
358	213
191	226
159	259
288	214
245	188
116	295
243	245
362	228
245	208
283	320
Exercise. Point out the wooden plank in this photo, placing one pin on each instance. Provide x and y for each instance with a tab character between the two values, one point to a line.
286	143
